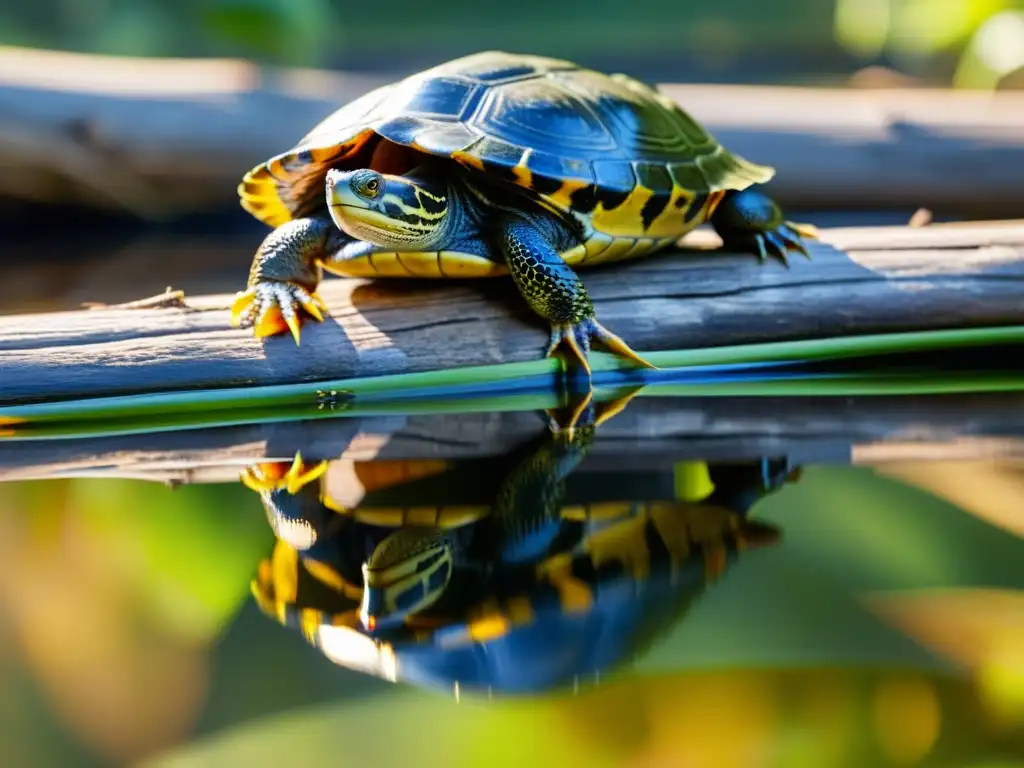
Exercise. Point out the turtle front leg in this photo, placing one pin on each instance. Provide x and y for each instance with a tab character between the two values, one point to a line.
556	293
751	221
285	273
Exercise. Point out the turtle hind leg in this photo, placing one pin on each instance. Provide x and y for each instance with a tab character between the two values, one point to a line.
751	221
556	293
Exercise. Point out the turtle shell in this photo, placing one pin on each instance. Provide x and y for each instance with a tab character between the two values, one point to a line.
608	149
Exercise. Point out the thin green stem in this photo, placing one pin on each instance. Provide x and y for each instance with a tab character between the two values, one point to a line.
501	379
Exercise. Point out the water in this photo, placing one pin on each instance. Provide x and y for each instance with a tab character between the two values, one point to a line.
710	581
813	593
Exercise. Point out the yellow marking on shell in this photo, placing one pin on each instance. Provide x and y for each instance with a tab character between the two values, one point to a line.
457	264
386	517
604	510
327	154
575	596
469	160
444	517
346	619
360	267
523	175
426	516
671	222
641	247
388	473
671	521
562	197
597	244
625	543
616	250
419	264
259	192
258	195
331	578
623	220
520	610
388	265
714	200
488	627
575	255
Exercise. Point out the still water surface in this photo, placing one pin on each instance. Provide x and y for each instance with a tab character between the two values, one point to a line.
637	599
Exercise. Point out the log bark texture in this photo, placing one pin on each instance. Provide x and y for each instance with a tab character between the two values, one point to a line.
651	432
860	280
162	138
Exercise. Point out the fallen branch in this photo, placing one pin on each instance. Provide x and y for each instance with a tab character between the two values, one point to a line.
160	138
883	279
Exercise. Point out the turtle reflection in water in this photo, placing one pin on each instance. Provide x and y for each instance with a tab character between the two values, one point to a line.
546	577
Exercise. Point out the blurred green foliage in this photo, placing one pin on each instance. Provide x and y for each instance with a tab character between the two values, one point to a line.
785	632
942	41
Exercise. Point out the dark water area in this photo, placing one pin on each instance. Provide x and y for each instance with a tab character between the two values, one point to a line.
699	581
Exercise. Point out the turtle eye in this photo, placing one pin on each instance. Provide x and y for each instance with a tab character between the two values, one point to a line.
367	184
370	186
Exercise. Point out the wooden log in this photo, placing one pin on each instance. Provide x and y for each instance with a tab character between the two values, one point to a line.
161	138
860	280
651	432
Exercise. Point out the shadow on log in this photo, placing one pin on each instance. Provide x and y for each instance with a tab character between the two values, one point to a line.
859	281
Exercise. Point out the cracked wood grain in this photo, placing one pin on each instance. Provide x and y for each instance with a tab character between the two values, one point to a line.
859	280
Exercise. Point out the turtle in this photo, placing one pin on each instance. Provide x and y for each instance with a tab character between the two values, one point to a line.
501	514
580	613
420	535
499	164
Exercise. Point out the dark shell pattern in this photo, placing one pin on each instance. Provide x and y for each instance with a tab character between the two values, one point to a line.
626	160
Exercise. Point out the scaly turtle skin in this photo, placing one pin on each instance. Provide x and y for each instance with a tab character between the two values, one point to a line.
584	610
497	164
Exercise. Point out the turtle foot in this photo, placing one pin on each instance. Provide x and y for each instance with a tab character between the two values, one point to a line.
577	420
271	307
277	475
750	221
772	241
571	342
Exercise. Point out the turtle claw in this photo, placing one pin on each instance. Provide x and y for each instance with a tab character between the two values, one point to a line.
779	241
584	417
576	339
272	476
271	307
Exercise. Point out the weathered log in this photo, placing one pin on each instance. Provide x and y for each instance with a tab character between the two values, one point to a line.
884	279
651	432
160	138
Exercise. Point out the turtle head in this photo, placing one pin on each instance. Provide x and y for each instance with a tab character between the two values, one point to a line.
401	212
407	572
